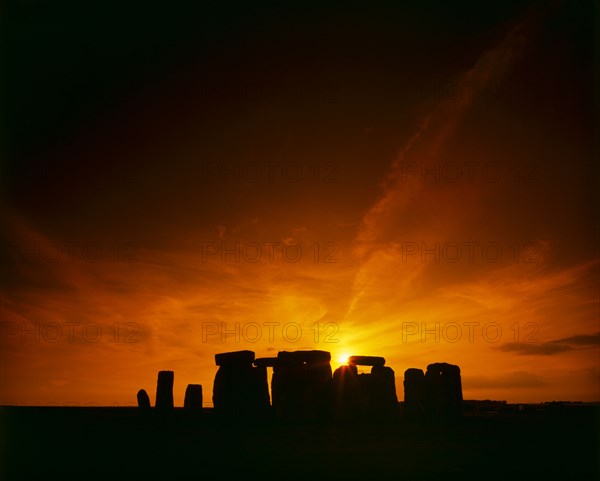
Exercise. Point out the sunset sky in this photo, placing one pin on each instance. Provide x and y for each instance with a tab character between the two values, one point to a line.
413	180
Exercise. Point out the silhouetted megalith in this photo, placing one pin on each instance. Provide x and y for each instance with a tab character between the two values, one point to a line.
443	391
346	391
366	361
302	385
193	397
143	399
299	357
384	400
414	393
368	395
260	398
240	389
265	362
164	390
236	357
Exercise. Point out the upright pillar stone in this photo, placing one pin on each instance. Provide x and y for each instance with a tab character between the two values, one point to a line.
414	393
366	395
443	391
346	392
143	399
302	385
193	397
240	389
164	390
384	400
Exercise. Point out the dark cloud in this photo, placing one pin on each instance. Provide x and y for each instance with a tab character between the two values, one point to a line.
552	347
581	340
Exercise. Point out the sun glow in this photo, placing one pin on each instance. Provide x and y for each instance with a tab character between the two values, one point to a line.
343	358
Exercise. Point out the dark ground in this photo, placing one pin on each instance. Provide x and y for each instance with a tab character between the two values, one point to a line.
123	443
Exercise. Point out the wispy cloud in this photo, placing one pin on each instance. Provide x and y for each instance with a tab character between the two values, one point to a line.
557	346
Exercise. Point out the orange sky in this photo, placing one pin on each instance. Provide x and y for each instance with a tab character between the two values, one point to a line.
424	213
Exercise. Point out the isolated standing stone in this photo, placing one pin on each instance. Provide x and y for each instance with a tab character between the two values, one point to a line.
164	390
143	399
414	393
193	397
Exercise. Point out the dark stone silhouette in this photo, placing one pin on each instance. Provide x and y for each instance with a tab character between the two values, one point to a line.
193	397
143	399
346	392
164	390
383	390
261	400
240	390
414	393
366	361
365	395
443	391
302	385
234	358
265	362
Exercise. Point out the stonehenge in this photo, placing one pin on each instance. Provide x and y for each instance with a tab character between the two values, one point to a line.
304	388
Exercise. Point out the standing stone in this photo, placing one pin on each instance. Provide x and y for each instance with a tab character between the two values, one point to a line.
443	391
240	389
164	390
346	392
288	385
193	397
259	398
384	401
414	393
318	390
143	399
302	385
365	395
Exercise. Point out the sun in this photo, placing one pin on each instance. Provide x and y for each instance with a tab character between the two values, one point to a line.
343	358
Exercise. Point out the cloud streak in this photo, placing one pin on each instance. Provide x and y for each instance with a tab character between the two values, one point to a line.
557	346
